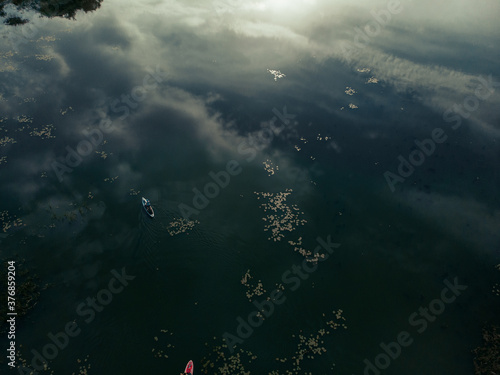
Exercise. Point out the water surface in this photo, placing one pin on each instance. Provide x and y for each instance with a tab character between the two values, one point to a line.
313	105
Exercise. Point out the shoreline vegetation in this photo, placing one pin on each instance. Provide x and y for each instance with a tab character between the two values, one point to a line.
12	10
487	357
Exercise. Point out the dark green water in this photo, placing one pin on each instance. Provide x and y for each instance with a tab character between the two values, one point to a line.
171	93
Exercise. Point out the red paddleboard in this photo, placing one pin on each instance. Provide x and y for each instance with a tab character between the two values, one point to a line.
189	368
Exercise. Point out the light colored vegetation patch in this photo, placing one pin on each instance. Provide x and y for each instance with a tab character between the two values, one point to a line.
218	362
496	289
350	91
110	179
50	38
270	167
6	140
6	55
181	225
282	217
276	73
102	154
309	255
44	57
84	367
24	119
133	192
253	289
162	347
27	364
64	111
7	68
338	321
7	222
310	346
320	138
45	132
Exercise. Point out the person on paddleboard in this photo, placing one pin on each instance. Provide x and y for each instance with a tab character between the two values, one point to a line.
189	369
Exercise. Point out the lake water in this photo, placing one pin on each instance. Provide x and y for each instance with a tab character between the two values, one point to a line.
334	164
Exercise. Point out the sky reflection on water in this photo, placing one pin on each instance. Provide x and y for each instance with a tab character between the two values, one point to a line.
313	99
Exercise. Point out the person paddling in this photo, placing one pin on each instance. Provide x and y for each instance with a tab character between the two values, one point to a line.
189	368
